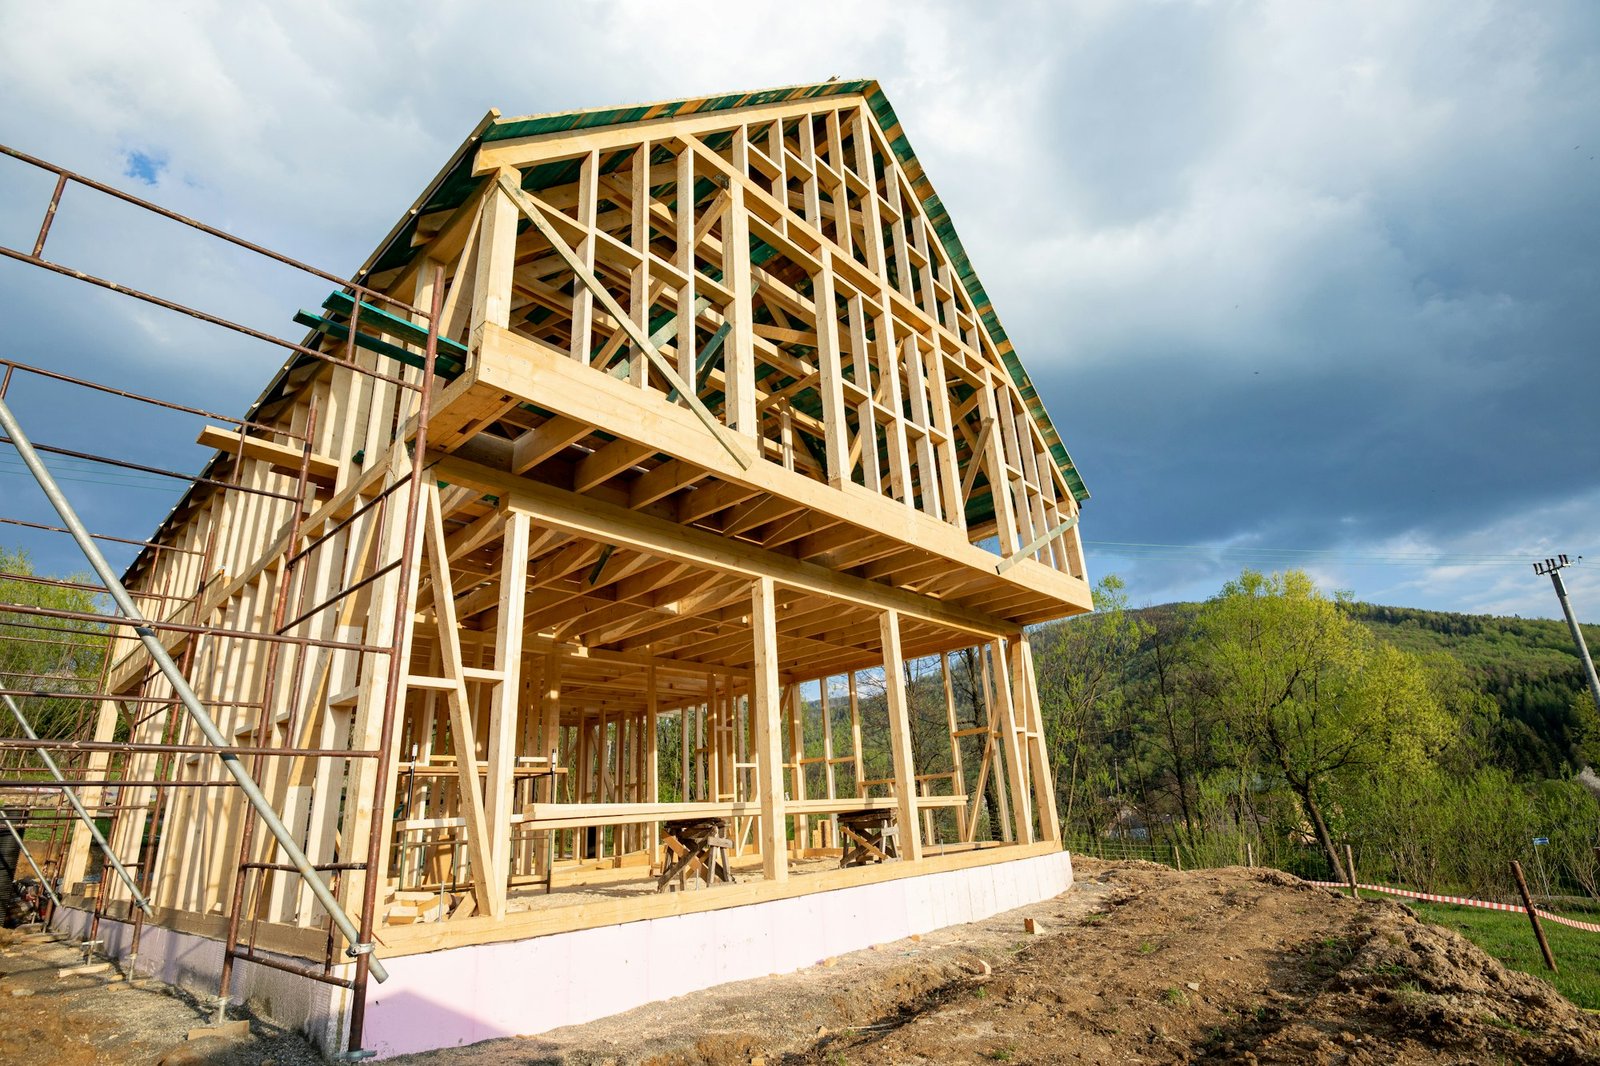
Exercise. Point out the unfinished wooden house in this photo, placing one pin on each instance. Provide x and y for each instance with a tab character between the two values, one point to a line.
585	577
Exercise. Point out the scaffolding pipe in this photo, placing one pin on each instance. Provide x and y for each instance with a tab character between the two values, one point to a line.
26	854
191	702
72	798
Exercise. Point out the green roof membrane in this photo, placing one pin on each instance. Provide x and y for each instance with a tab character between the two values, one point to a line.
459	184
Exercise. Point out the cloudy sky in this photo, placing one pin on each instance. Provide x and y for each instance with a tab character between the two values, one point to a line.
1311	285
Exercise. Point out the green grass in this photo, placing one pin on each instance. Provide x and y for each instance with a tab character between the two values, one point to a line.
1508	937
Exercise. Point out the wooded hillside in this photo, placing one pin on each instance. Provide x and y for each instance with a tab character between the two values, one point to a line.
1278	721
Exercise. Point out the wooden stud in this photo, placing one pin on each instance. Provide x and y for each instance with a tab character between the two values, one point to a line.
491	286
765	698
501	753
905	785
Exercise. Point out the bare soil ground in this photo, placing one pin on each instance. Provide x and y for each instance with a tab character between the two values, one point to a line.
99	1019
1138	963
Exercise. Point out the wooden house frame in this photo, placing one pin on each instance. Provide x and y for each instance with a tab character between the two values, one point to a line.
717	416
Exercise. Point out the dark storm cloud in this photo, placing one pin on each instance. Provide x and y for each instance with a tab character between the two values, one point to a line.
1319	285
1285	276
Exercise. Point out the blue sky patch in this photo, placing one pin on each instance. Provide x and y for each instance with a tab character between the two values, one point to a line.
146	166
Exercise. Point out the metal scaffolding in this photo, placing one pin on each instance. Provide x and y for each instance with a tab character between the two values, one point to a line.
127	782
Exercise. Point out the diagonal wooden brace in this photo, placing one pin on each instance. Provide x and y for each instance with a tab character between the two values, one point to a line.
528	207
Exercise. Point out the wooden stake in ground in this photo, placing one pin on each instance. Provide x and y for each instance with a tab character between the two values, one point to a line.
1533	916
1350	868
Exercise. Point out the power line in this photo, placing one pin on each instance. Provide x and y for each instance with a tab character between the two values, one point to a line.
1273	555
120	483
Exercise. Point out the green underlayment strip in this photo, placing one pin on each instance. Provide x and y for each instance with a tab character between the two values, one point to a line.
450	357
459	184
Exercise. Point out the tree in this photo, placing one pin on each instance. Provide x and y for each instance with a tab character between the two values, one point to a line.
1173	696
1081	669
43	655
1313	692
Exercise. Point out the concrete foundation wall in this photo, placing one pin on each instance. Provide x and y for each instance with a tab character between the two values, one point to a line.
194	963
464	995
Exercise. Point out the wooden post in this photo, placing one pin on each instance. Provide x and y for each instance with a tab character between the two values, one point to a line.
77	862
1249	855
1021	806
549	743
489	883
1350	870
827	756
686	340
1533	915
996	765
652	756
766	699
739	355
685	752
582	295
496	258
858	764
958	780
797	745
837	439
501	753
1024	683
905	770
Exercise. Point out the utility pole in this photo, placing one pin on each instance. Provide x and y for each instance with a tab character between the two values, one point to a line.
1553	567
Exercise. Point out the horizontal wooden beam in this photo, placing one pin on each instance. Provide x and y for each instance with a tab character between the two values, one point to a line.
610	524
512	365
520	925
281	457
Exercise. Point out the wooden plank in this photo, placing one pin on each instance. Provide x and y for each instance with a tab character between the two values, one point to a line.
281	457
510	364
592	285
765	698
497	247
365	731
415	939
488	882
607	462
501	753
610	524
905	788
539	444
1021	806
1026	684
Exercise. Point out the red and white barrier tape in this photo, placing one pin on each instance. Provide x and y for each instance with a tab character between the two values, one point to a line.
1463	901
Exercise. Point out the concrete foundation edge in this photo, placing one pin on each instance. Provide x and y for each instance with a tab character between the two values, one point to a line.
464	995
194	963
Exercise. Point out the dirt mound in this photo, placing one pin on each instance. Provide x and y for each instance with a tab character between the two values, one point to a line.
1235	965
1137	963
98	1018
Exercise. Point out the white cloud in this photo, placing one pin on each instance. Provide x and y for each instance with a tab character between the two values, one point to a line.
1382	193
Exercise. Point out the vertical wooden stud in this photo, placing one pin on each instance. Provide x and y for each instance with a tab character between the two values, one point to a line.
765	697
